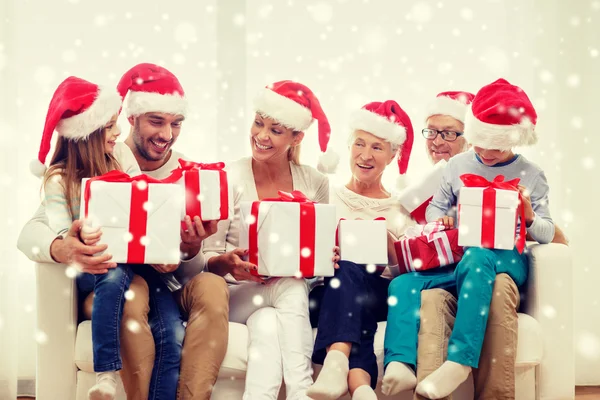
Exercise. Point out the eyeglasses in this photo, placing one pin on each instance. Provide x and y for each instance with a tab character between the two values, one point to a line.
448	136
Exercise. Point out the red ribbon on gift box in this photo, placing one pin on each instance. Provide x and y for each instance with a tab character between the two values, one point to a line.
418	214
307	230
138	215
488	228
192	185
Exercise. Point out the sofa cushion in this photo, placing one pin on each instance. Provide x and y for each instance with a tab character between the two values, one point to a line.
529	348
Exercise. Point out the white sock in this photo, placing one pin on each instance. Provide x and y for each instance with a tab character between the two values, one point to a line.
105	387
332	382
364	392
398	378
444	380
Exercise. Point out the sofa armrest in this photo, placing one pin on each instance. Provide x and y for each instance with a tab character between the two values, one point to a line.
550	302
56	324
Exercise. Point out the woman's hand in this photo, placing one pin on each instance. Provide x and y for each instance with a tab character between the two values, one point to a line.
336	257
529	214
196	231
90	236
232	263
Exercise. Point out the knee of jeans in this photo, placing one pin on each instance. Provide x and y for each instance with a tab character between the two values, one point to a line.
505	299
115	276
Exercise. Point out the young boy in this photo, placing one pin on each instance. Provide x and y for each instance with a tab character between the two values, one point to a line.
501	118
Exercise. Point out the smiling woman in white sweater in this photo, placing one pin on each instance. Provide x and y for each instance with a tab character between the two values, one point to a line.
283	111
348	313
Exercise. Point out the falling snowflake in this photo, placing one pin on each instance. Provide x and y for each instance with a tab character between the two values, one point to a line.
253	354
250	219
178	59
239	20
44	75
575	21
71	272
258	300
588	345
69	56
588	162
129	295
185	33
321	13
127	237
549	312
392	301
35	250
133	326
546	76
265	11
421	13
495	60
371	268
577	122
594	53
287	250
41	337
466	14
573	80
100	20
334	283
305	252
444	68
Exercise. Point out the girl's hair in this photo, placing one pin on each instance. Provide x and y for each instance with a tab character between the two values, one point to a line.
74	160
294	151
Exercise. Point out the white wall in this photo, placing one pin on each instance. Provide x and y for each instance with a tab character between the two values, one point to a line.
349	52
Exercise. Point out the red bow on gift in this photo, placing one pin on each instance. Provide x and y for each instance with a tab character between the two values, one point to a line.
307	230
192	186
489	206
138	216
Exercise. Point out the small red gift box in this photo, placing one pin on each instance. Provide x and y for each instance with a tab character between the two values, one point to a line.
426	247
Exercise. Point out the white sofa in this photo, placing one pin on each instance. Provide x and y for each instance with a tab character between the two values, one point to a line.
545	357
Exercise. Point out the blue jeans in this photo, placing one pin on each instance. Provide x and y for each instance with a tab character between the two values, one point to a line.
473	281
164	319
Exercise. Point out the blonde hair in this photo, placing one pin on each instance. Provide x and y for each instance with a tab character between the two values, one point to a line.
294	152
74	160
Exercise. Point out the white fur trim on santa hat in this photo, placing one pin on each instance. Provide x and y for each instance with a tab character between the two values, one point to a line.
328	161
282	109
80	126
445	105
377	125
139	103
498	137
37	168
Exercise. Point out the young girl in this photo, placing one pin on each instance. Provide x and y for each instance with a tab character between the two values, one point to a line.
85	118
501	118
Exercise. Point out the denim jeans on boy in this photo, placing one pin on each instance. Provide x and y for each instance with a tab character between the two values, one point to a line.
473	281
164	319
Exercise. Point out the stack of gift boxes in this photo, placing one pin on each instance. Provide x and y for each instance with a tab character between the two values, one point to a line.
290	235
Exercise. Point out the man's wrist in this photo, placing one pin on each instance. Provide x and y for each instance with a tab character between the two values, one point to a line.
188	252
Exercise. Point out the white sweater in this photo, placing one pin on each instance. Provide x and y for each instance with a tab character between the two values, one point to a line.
241	178
37	235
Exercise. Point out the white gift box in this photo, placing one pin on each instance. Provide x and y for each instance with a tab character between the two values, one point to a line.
363	241
278	238
135	240
416	197
209	198
497	230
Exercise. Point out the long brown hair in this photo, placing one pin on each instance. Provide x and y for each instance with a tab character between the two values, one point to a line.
74	160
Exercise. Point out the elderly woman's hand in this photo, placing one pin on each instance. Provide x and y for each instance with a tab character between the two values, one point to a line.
336	257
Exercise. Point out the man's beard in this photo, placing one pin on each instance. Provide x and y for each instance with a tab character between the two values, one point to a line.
139	146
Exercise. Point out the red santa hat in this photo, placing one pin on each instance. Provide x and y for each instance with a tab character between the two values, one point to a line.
77	109
453	104
295	106
388	121
501	117
152	88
